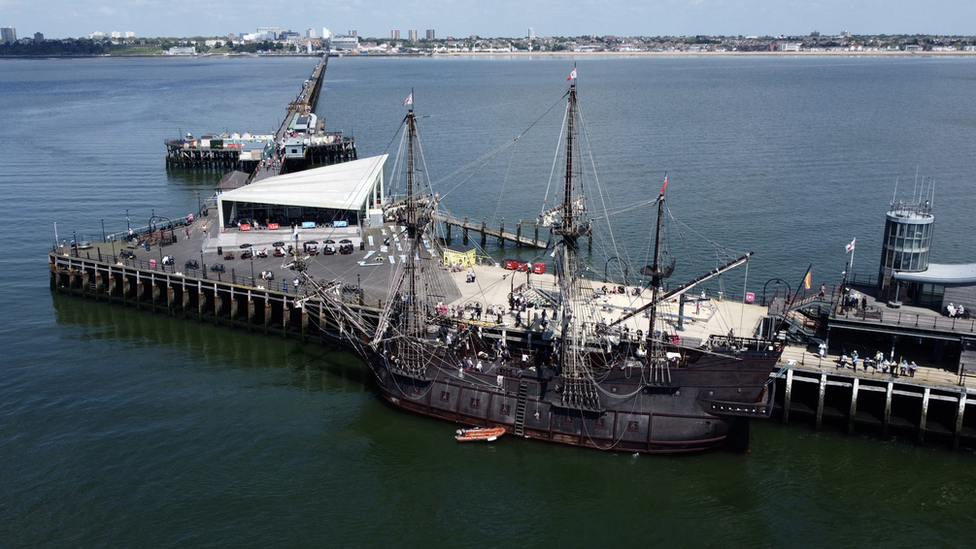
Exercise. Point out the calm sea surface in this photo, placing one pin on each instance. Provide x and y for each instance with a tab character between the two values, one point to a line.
120	428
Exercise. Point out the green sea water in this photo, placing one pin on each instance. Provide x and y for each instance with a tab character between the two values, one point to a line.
121	428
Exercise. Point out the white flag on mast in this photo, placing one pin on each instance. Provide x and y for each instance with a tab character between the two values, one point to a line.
850	247
408	100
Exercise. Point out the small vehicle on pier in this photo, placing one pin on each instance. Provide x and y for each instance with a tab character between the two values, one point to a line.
218	268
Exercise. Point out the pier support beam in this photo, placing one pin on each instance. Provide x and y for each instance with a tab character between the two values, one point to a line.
788	395
886	422
820	400
925	414
853	411
957	432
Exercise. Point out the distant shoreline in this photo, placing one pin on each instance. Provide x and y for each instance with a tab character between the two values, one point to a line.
535	54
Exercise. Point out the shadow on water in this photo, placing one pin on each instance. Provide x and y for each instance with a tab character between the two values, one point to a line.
194	342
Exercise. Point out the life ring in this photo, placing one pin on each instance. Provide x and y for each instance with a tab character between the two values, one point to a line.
461	326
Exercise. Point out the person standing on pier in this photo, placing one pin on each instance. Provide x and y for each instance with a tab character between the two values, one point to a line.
823	349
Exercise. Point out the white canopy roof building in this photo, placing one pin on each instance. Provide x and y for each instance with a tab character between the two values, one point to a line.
340	192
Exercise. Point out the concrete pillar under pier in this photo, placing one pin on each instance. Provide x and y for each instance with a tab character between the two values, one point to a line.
186	300
285	314
820	399
959	417
886	422
304	325
250	312
267	313
788	395
139	291
218	305
170	300
201	304
853	412
925	414
156	293
99	283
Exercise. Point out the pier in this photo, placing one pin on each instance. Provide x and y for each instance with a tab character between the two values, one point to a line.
499	233
265	155
885	405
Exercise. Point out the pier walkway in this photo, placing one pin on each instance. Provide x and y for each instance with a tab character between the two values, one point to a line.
486	231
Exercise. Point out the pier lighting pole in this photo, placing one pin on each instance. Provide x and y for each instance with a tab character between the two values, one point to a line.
127	226
74	243
56	239
104	238
252	266
202	264
199	204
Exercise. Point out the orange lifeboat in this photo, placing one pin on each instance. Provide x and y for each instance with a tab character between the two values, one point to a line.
479	434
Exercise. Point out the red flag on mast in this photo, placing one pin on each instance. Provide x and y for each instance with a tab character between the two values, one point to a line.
665	186
572	75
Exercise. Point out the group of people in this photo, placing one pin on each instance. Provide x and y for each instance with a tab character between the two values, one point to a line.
902	367
955	310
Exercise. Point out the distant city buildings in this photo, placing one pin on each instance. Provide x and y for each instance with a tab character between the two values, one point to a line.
8	35
38	38
430	34
353	32
326	34
412	35
531	33
310	33
395	34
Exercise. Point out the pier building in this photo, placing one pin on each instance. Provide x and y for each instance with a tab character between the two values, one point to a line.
340	193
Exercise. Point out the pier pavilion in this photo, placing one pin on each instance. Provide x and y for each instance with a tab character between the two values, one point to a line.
342	192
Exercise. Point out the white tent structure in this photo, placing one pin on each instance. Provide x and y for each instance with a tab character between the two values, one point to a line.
354	186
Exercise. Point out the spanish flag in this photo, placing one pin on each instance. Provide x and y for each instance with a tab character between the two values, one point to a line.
806	279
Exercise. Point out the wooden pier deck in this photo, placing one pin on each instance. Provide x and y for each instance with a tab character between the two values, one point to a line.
499	233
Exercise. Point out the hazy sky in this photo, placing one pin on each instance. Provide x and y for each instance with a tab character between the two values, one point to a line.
491	18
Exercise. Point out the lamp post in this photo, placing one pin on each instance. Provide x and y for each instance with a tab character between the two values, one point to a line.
202	264
56	233
252	266
199	204
104	238
127	226
74	243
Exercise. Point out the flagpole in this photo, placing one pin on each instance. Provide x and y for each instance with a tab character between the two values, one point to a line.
854	249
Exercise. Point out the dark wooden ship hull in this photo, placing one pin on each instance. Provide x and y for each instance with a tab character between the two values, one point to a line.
705	404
